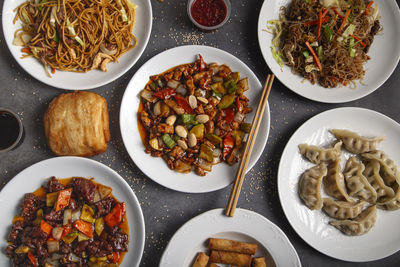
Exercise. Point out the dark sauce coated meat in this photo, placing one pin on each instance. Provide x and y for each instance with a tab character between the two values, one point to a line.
87	235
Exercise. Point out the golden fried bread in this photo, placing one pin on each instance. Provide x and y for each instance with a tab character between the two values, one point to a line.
76	124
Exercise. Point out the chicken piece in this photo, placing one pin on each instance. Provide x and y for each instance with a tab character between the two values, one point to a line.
165	128
144	117
177	152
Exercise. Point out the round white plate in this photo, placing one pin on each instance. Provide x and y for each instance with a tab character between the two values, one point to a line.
64	167
313	226
384	53
80	81
156	168
245	226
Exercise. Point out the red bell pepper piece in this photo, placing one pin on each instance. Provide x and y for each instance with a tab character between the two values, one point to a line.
66	231
183	103
47	228
228	146
32	259
115	257
165	93
84	227
116	214
63	198
229	115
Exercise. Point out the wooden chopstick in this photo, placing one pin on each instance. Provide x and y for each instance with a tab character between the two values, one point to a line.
241	171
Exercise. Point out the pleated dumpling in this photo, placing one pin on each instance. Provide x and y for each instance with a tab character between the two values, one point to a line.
356	143
389	171
334	184
310	186
360	225
371	172
342	210
317	154
390	203
357	183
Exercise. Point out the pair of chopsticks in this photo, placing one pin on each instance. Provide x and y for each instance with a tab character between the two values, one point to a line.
241	171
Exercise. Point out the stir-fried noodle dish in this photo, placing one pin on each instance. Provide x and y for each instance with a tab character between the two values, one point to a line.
326	41
75	35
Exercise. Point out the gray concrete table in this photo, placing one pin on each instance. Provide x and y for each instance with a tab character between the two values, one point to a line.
166	210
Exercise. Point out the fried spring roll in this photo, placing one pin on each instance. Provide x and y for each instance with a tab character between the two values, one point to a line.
259	262
201	260
213	265
236	259
231	245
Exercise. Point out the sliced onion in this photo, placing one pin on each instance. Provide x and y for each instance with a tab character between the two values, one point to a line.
67	216
181	166
173	84
76	215
74	258
57	232
106	51
217	156
205	165
238	117
217	79
53	246
147	95
181	90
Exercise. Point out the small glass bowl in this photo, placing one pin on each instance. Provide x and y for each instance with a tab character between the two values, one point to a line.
209	28
20	133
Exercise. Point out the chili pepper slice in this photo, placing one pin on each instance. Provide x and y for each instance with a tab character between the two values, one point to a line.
165	93
115	216
228	146
229	115
183	103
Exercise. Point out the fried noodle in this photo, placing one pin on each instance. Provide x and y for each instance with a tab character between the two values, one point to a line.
76	35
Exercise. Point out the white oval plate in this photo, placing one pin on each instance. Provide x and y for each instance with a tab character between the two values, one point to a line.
64	167
80	81
313	226
156	168
384	53
245	226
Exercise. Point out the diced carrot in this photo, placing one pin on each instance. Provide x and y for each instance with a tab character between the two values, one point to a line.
115	216
63	198
344	20
32	259
316	59
368	7
45	227
315	22
26	50
116	257
53	70
84	227
358	40
324	13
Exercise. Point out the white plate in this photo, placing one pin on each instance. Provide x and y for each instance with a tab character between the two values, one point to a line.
221	174
384	53
245	226
64	167
313	226
80	81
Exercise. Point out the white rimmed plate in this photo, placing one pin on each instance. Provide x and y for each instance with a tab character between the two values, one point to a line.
80	81
245	226
384	53
156	168
64	167
313	226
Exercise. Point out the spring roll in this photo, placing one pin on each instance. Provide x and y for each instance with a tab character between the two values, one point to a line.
231	245
213	265
201	260
259	262
225	257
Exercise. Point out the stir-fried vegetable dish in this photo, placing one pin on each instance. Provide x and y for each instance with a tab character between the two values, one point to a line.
193	116
326	41
69	222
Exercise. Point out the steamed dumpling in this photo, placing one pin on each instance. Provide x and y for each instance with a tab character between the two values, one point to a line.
390	203
310	186
334	182
356	182
389	170
355	143
342	210
371	172
316	154
360	225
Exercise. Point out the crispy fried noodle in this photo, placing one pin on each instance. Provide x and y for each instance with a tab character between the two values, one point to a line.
325	41
75	35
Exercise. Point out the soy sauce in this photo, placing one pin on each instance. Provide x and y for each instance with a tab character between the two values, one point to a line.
9	130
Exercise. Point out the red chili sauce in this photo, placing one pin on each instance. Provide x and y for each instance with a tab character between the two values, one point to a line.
208	12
